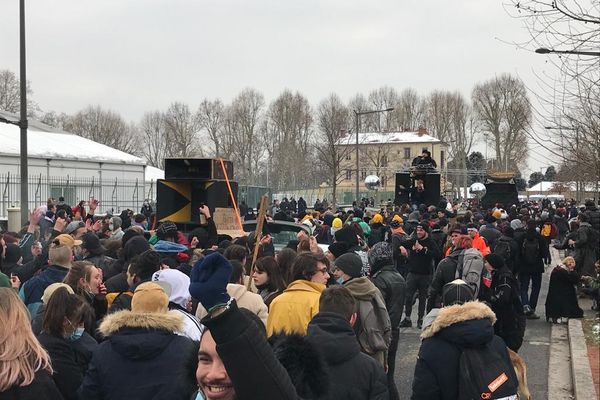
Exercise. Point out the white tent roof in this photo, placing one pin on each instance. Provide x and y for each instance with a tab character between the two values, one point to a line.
46	142
387	137
153	173
544	186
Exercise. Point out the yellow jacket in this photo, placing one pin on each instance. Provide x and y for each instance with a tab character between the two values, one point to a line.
291	311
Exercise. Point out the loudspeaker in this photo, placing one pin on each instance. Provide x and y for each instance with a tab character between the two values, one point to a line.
500	192
197	168
214	194
403	184
179	200
431	182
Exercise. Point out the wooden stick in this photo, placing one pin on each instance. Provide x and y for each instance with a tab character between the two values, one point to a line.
260	221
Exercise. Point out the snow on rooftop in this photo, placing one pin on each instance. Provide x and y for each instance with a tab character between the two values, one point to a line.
153	173
45	143
548	186
387	137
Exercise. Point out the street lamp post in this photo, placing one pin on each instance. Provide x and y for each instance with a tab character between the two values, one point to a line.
357	115
544	50
23	122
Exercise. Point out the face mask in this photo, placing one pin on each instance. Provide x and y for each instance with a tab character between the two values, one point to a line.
200	396
340	280
111	227
76	335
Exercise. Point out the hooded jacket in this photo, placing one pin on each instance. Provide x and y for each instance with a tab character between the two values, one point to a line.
291	311
141	358
334	338
455	328
373	327
33	289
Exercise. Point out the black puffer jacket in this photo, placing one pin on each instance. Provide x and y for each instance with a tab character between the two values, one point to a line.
393	287
455	328
354	375
142	358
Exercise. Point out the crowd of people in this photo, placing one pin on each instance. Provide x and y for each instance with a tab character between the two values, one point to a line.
119	307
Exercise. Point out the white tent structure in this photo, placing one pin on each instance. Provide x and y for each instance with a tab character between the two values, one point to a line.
545	187
64	164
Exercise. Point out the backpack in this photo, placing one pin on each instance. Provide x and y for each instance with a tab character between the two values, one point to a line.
531	250
502	248
112	296
373	327
470	269
484	374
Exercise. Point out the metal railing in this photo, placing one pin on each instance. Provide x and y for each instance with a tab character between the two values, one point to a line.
114	195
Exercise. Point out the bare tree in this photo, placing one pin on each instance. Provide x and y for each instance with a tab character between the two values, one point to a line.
10	94
211	115
503	110
54	119
242	126
102	126
409	112
569	101
382	99
155	138
287	131
183	127
449	118
332	117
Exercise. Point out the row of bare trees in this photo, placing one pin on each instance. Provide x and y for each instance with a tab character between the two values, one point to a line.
289	144
569	93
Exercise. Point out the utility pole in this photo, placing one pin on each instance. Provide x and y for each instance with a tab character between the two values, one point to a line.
23	124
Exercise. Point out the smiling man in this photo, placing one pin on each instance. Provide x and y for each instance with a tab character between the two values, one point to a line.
211	374
234	356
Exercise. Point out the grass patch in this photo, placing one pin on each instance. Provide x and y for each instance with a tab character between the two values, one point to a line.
591	330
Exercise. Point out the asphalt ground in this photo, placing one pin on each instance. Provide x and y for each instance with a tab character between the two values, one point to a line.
535	350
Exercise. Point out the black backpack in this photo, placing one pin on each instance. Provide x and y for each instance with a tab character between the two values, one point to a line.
485	374
531	250
502	248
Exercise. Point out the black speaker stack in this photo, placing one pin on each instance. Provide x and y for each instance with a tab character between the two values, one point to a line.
405	181
190	183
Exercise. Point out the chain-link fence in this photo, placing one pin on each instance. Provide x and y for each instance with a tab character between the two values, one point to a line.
114	195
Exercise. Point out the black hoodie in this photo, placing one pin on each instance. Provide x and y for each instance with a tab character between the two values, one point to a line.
354	375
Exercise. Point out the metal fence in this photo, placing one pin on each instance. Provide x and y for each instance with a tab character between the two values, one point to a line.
114	195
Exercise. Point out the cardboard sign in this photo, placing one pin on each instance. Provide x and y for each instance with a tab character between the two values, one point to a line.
226	222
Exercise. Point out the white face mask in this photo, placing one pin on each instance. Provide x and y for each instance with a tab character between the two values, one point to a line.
111	227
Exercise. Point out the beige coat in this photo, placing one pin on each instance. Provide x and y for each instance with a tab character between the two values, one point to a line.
244	299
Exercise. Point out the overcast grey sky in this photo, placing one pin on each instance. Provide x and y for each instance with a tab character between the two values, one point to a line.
133	56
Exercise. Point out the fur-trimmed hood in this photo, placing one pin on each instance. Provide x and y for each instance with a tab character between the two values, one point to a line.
169	322
463	323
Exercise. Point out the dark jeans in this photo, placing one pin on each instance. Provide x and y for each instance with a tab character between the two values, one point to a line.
536	283
416	283
392	365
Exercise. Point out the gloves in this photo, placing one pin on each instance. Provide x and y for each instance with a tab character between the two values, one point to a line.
209	279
